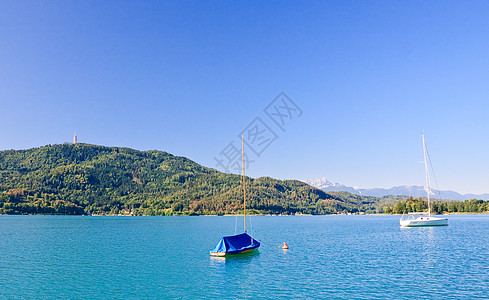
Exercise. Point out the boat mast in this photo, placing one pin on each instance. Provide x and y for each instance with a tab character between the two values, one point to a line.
244	188
427	186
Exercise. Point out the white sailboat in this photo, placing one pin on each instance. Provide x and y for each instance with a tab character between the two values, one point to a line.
425	219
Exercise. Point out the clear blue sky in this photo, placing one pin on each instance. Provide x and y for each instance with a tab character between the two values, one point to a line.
188	76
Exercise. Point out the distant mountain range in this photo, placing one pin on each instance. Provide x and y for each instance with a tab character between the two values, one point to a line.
405	190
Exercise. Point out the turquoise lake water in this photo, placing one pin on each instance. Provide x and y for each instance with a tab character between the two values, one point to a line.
332	257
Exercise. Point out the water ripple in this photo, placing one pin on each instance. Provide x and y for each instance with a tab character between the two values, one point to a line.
333	257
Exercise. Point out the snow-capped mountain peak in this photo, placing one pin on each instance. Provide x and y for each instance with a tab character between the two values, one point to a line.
404	190
321	183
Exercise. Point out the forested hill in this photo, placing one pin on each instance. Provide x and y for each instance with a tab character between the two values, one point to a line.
83	178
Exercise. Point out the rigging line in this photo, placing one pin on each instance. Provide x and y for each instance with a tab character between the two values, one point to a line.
434	176
251	226
236	223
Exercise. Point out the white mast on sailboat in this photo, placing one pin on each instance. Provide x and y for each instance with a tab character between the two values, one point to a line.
427	186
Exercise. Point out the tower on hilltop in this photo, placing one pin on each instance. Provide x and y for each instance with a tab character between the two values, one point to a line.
75	139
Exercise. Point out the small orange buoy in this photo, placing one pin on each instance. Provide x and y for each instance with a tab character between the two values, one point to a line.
285	246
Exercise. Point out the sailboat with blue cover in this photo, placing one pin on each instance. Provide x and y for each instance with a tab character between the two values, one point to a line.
240	243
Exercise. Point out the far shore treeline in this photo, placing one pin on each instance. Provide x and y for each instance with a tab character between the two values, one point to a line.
438	207
89	179
77	179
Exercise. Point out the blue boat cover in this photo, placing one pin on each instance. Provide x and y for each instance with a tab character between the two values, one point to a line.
236	243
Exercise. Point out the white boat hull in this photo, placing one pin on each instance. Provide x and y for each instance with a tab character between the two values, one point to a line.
424	222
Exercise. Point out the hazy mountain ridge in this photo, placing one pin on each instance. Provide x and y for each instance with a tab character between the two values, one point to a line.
405	190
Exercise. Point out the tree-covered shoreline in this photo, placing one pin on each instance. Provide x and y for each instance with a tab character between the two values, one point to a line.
82	179
75	179
438	207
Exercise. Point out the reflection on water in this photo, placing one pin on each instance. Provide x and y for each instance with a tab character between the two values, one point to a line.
218	259
235	257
